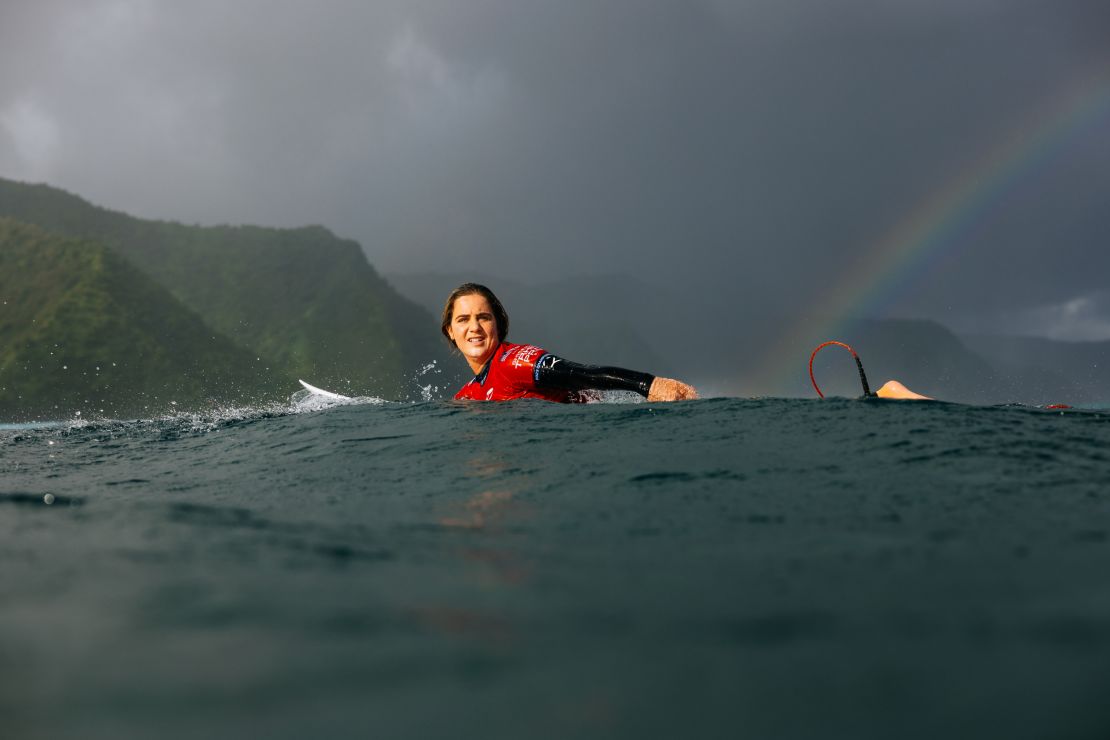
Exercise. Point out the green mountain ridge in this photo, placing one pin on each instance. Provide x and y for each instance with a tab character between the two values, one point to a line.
302	300
85	332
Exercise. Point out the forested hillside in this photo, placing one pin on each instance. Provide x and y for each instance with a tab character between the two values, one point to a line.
302	300
81	330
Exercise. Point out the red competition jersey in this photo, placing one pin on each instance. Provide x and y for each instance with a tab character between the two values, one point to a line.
511	374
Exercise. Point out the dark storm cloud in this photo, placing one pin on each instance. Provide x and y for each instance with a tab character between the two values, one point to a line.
746	152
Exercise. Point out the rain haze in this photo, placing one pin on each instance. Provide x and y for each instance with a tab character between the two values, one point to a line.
748	155
247	489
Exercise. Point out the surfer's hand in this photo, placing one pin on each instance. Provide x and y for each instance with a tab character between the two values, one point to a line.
666	389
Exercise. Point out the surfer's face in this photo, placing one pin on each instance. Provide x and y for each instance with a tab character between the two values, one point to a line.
473	329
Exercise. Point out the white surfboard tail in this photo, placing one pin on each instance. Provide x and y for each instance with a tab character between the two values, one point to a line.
324	393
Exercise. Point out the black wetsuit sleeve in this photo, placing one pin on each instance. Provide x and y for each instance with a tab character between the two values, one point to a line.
555	372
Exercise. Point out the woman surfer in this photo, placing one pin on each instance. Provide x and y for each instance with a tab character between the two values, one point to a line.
475	323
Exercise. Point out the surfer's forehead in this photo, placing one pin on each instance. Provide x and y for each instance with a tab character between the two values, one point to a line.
471	303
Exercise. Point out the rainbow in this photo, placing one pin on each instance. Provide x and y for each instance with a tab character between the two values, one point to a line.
940	223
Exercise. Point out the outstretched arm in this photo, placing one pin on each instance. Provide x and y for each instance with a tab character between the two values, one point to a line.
552	371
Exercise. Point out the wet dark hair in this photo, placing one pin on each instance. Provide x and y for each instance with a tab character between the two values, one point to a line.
500	315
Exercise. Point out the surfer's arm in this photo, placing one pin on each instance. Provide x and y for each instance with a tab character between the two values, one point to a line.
555	372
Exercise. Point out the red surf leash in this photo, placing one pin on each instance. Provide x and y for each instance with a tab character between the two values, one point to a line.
862	376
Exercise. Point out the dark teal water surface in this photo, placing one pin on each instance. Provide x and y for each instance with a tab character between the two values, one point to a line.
720	568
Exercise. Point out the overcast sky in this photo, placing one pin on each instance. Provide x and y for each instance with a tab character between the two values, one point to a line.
750	150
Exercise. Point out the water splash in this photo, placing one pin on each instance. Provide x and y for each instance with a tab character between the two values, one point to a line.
305	401
430	391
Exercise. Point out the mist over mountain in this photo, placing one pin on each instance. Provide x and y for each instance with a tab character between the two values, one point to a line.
84	332
303	299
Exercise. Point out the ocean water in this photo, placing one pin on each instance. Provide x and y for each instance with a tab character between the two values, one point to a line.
719	568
